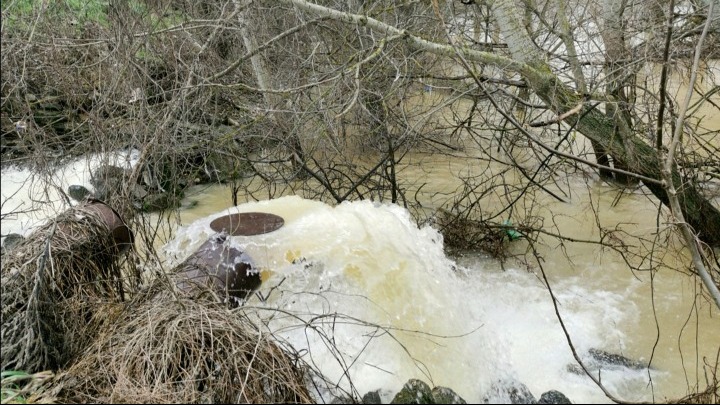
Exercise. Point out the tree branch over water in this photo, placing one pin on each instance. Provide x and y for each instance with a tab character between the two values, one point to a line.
641	157
697	257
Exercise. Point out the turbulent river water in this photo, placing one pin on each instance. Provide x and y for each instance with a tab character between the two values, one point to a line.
386	303
467	323
374	300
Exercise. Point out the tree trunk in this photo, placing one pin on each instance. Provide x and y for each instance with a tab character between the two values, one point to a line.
596	126
640	157
601	155
274	102
618	74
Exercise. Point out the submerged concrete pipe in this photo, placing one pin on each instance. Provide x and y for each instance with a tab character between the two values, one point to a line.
224	269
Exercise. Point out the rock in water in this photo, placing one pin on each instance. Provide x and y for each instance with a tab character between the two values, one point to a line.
78	192
414	392
444	395
553	397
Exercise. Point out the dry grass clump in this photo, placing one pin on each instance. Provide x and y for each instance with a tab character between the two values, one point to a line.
183	349
52	285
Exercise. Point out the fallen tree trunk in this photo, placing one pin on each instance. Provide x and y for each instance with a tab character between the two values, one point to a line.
638	155
699	212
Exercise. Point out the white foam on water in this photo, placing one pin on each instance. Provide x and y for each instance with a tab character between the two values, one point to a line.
374	301
363	289
29	199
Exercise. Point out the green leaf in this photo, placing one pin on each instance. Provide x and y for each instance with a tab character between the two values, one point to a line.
12	373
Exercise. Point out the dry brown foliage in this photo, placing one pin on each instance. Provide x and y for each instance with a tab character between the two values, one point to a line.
189	349
51	286
462	233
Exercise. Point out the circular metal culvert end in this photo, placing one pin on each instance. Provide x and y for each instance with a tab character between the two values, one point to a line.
247	223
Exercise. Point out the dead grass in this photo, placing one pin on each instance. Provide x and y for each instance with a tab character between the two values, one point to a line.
52	285
186	349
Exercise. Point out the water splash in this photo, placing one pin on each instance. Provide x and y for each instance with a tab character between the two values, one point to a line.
29	199
373	301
